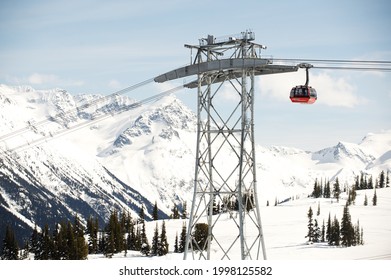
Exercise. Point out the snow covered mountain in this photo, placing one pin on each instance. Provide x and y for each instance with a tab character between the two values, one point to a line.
60	157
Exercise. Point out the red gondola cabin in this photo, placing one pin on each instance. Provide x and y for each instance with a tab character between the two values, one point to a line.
303	94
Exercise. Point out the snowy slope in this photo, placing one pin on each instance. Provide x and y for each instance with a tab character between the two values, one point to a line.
94	158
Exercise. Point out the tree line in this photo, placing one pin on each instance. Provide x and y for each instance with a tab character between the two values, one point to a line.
73	241
323	188
335	232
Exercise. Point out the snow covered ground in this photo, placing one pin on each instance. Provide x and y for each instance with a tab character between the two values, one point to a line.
285	228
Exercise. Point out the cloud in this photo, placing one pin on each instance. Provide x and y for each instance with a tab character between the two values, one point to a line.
39	79
115	84
332	91
45	80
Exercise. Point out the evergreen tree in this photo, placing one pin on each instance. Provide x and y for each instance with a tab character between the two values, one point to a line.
145	247
316	237
34	240
182	242
347	230
353	195
318	189
328	229
365	200
141	214
10	245
327	191
163	244
176	244
81	246
374	199
131	239
382	179
155	212
360	185
70	242
323	233
336	189
115	241
26	250
310	226
335	233
388	179
155	242
357	236
175	212
43	251
57	240
92	232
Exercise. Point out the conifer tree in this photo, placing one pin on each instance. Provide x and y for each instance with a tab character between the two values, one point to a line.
111	235
374	199
10	245
360	185
365	200
92	231
175	212
357	236
145	247
323	233
347	230
163	244
388	179
182	242
43	251
26	250
155	212
155	242
57	240
131	239
81	247
328	229
310	226
382	179
176	245
34	240
141	214
70	242
336	189
335	232
316	234
327	191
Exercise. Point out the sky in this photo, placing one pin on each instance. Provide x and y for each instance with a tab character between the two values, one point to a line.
104	46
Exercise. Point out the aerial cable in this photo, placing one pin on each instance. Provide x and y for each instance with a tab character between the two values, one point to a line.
75	110
57	134
354	68
377	62
343	64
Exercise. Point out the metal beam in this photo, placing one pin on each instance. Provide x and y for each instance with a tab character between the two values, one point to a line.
237	73
262	65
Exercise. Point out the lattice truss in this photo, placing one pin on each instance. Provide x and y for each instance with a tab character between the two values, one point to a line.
225	196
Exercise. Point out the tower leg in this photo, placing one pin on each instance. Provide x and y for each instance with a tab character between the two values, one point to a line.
225	217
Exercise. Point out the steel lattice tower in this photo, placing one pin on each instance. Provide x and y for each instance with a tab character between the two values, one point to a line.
225	200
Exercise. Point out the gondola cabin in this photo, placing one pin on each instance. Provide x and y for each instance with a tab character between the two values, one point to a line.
303	94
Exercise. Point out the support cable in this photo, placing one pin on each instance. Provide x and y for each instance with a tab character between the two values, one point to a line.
78	126
74	110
